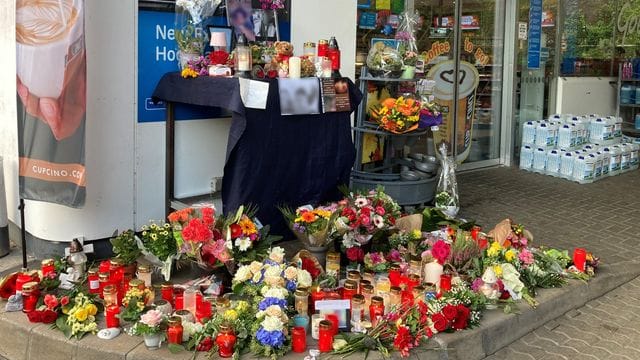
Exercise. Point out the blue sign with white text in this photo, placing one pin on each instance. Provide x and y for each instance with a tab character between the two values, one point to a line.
535	34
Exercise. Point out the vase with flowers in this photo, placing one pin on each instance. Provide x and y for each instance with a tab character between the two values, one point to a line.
150	327
189	33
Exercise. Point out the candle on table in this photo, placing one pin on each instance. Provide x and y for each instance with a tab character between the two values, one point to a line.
376	309
110	314
298	339
294	67
394	275
316	295
325	343
315	325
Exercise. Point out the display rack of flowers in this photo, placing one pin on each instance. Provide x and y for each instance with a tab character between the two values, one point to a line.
398	116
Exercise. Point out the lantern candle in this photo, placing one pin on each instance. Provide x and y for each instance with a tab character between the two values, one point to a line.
48	267
144	274
309	50
383	286
30	295
394	275
302	301
93	281
110	295
580	258
22	279
357	312
349	289
445	282
395	296
175	330
166	291
104	266
414	280
323	46
335	322
203	311
294	67
362	284
354	275
111	316
315	325
415	267
333	264
226	341
376	309
418	294
116	272
367	292
370	276
325	343
298	339
316	295
189	300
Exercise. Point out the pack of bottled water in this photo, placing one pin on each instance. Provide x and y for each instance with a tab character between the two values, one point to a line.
582	148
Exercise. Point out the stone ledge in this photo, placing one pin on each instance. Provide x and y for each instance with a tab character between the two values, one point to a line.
21	340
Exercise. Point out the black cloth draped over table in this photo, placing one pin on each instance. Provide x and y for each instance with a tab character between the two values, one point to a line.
272	159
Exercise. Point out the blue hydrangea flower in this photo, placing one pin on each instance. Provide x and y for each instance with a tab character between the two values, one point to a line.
266	302
291	286
270	338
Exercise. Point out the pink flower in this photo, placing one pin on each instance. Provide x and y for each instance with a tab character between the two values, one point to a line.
441	251
380	210
151	318
64	300
395	256
51	301
526	257
365	220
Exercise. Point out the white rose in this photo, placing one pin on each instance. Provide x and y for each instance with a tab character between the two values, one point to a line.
243	274
274	310
273	272
255	267
272	323
257	277
290	273
304	279
243	243
264	290
277	254
277	292
229	244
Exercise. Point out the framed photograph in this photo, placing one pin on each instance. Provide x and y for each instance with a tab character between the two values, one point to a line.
265	25
240	17
228	32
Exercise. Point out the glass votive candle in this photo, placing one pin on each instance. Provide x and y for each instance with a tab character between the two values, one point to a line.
174	330
144	274
298	339
302	301
326	66
315	325
368	293
301	321
445	282
414	280
349	289
370	276
335	322
333	258
48	267
376	309
222	305
110	295
383	285
103	281
189	301
325	341
93	281
394	275
363	282
418	294
395	296
315	295
357	312
166	292
415	267
580	258
354	275
111	316
30	295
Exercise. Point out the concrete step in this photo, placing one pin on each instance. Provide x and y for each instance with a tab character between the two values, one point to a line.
21	340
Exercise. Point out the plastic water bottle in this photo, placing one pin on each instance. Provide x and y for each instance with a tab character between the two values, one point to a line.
552	166
597	170
542	133
617	128
529	133
597	126
634	161
625	94
566	165
614	163
583	168
552	136
607	130
555	117
566	136
625	158
539	160
606	158
637	122
526	157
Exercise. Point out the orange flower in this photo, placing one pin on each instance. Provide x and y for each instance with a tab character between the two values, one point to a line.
308	217
410	102
389	103
248	227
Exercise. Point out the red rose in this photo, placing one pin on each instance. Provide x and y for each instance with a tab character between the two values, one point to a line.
355	254
272	74
34	316
49	316
505	295
380	210
64	301
365	211
440	323
392	220
460	323
310	266
450	312
236	230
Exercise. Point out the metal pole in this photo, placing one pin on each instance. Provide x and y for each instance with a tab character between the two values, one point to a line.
23	234
456	69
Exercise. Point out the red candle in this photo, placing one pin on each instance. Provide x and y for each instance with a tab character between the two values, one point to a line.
22	279
445	282
414	280
335	322
226	341
166	291
104	266
580	258
350	288
325	343
93	281
179	302
30	295
48	267
203	311
376	309
404	282
174	331
111	316
323	46
315	295
298	339
394	275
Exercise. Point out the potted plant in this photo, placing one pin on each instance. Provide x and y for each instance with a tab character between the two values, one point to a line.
126	249
409	70
150	327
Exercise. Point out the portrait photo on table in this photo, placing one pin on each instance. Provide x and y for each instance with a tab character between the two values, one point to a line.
239	14
265	25
299	96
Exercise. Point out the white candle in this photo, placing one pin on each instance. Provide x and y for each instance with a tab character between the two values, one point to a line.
294	67
243	62
315	325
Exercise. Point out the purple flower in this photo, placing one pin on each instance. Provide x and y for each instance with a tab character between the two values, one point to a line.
395	256
475	285
270	338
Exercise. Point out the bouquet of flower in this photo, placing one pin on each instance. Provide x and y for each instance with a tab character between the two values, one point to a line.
375	261
246	237
270	326
196	67
311	225
125	247
401	329
397	116
440	251
430	113
198	9
272	4
159	246
457	309
48	312
79	317
240	318
150	323
135	302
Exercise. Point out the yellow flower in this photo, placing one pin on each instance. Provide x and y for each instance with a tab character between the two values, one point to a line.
248	227
81	314
416	234
154	236
494	249
230	315
242	306
323	213
510	255
91	309
498	270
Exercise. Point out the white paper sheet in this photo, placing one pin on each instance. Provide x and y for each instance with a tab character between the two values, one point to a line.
254	93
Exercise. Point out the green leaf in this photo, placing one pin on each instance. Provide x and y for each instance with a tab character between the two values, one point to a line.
175	348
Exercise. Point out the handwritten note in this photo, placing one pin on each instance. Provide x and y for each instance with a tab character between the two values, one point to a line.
254	93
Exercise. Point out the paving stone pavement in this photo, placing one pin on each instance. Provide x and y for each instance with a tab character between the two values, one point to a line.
602	217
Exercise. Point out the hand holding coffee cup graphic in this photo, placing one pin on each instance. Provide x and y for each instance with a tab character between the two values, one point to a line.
51	63
443	74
